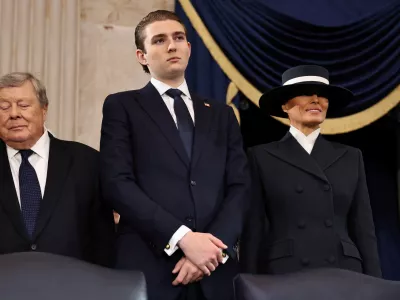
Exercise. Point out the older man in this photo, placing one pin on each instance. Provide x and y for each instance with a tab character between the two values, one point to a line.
49	188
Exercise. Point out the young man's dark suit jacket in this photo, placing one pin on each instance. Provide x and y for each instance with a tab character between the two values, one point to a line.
149	180
308	211
72	221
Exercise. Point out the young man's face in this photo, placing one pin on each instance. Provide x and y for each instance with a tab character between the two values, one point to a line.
167	50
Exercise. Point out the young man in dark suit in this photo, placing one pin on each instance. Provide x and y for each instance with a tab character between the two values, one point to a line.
49	188
173	166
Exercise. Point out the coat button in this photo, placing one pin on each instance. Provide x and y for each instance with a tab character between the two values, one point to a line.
332	259
192	183
33	247
301	224
189	219
327	187
299	189
305	261
328	223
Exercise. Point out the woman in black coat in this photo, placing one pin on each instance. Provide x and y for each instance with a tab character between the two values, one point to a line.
310	206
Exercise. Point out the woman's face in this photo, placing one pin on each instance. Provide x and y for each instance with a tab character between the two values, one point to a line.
306	111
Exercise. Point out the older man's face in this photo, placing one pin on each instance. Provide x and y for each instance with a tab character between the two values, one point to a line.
21	116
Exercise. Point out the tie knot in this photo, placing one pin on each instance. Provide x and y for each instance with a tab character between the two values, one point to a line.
26	153
174	93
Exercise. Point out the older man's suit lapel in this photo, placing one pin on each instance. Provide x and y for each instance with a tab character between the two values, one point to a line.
8	194
58	170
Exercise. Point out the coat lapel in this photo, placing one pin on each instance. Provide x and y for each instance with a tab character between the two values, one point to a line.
59	166
8	195
203	115
325	154
290	151
153	104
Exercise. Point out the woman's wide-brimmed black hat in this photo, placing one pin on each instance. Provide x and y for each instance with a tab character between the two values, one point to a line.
305	80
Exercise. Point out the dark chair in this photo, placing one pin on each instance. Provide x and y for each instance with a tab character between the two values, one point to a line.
46	276
317	284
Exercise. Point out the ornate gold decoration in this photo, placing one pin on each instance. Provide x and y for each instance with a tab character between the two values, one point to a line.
330	126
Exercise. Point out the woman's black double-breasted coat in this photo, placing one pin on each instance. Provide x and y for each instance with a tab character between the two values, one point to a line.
308	210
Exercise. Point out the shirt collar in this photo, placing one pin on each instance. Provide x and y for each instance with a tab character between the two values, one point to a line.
41	147
311	138
161	87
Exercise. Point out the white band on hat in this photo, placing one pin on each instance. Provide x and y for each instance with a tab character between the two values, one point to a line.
307	78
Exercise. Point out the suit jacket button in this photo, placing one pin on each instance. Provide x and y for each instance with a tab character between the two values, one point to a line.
33	247
332	259
192	183
189	219
328	223
327	187
301	224
305	261
299	189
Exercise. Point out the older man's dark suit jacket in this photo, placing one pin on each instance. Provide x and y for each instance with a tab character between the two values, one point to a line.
149	180
72	220
308	211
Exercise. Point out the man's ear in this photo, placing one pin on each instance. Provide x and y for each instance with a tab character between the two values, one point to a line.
190	48
141	57
45	109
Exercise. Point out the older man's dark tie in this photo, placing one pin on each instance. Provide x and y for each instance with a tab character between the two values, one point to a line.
30	193
184	120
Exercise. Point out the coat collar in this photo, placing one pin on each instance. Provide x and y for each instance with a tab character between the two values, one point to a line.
323	155
326	153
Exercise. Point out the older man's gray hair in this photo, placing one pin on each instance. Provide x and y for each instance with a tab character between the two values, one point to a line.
17	79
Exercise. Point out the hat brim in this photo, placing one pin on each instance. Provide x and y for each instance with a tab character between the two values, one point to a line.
271	102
